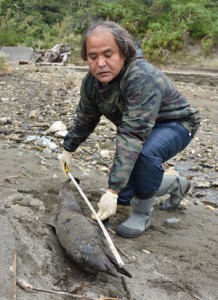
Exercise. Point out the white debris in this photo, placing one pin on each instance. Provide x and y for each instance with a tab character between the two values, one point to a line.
44	141
31	138
172	221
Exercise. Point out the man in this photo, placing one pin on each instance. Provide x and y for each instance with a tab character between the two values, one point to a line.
154	122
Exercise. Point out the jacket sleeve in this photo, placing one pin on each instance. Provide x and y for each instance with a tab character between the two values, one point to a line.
142	103
85	121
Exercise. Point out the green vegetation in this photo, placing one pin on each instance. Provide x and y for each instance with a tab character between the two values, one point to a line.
162	26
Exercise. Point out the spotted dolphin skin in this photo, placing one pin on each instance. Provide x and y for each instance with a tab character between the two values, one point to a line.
81	239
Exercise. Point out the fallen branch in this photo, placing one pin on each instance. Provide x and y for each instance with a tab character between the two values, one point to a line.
50	64
29	288
27	175
133	259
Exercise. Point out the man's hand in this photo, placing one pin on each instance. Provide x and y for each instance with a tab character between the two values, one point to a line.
65	160
107	205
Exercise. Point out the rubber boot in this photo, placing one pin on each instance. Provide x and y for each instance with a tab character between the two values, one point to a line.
139	219
177	187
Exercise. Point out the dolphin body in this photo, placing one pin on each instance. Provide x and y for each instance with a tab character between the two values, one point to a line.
81	239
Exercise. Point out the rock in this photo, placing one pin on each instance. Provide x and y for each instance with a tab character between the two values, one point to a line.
34	114
61	133
201	184
57	126
214	183
5	120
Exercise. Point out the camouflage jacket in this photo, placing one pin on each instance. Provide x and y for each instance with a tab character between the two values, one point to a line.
134	101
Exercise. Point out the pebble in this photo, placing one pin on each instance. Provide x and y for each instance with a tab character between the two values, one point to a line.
57	126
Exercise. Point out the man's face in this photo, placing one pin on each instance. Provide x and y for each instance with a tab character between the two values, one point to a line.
103	56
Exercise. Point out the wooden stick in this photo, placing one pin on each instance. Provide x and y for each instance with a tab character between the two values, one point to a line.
29	288
25	174
107	236
15	276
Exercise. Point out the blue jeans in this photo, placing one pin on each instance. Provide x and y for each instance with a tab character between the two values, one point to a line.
165	141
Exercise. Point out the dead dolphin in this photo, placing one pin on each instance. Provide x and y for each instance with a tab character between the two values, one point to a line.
81	239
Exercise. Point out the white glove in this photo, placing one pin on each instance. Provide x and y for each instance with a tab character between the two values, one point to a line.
65	160
107	206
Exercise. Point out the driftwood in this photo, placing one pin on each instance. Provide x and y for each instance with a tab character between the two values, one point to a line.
58	55
51	64
29	288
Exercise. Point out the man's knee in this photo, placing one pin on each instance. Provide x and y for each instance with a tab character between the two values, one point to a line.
147	176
